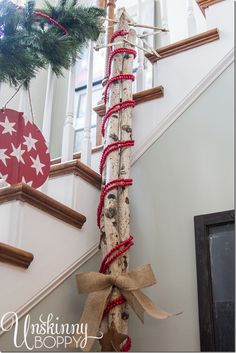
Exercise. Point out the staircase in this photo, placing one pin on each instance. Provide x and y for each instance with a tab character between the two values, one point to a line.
46	235
57	237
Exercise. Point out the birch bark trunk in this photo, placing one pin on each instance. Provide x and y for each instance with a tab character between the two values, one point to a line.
125	166
115	216
110	232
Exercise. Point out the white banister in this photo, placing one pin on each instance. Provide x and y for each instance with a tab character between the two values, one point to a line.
69	130
191	20
139	73
165	36
86	143
47	115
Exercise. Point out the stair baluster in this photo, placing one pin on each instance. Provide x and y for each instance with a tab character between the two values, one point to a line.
68	129
191	20
47	115
165	37
86	143
139	73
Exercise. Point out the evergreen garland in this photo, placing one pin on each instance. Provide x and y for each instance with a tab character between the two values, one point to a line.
29	42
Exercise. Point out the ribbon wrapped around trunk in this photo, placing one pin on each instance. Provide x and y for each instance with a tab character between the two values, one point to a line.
99	287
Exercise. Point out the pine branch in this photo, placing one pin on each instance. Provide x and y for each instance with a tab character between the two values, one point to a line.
29	43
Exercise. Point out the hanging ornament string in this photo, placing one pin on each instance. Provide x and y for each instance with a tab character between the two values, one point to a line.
30	101
31	106
125	245
14	94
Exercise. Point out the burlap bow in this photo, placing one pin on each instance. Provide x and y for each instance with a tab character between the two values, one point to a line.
99	287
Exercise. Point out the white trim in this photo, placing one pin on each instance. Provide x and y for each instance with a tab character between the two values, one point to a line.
170	118
24	309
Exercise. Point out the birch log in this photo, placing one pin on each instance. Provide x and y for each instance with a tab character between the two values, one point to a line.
110	228
125	154
125	166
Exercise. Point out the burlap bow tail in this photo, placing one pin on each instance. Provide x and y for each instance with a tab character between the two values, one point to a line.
99	287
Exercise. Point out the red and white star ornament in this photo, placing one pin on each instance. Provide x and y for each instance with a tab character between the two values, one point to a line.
24	155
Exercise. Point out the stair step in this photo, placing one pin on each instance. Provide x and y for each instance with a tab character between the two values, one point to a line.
77	168
139	97
49	230
15	256
185	44
26	193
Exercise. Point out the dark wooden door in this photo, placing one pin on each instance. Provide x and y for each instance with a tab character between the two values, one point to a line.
215	256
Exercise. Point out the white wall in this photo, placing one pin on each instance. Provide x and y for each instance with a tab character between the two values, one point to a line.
187	172
63	303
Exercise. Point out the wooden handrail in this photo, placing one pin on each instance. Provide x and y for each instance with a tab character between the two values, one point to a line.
139	97
26	193
204	4
148	94
15	256
185	44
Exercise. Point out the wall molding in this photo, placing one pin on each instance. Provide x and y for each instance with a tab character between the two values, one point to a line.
185	44
26	193
35	300
170	118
